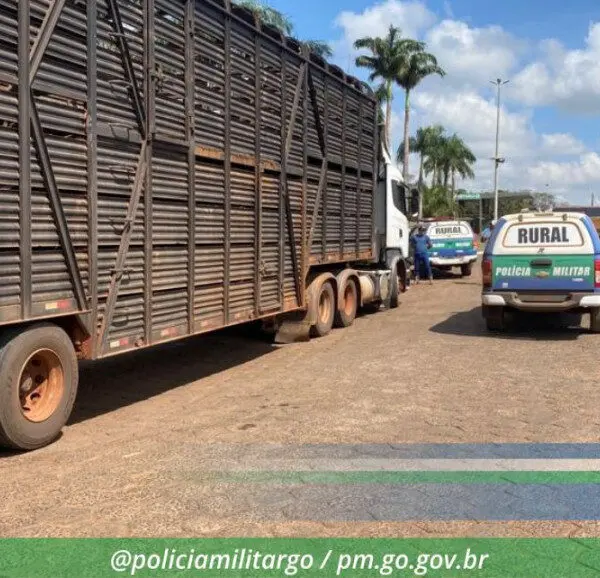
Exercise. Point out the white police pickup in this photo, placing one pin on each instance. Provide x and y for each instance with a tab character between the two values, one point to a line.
542	263
452	246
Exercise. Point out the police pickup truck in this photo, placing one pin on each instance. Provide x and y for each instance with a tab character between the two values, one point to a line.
452	245
542	263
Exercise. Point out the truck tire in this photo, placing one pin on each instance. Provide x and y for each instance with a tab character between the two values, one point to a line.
325	311
394	299
399	284
466	270
595	320
494	318
348	304
38	385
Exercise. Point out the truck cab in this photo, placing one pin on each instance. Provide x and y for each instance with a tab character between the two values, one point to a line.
394	199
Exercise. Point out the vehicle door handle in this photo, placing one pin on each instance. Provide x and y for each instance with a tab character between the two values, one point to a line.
541	263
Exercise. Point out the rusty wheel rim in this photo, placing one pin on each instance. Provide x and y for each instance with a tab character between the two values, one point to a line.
325	307
349	300
41	385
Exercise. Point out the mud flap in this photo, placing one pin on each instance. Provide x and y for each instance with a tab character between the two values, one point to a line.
294	328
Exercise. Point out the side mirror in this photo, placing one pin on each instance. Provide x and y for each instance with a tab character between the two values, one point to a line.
414	201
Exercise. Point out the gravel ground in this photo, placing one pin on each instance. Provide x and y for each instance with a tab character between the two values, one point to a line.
130	461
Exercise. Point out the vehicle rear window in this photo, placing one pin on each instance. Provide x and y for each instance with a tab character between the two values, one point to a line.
450	230
540	234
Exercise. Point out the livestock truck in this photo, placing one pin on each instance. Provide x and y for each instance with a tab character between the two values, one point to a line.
173	167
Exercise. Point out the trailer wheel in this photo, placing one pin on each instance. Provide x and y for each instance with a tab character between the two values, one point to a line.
325	311
348	305
38	384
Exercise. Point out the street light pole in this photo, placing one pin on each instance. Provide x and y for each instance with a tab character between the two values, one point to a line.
497	159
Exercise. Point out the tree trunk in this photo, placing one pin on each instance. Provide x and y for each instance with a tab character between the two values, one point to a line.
453	182
405	172
420	187
388	117
452	191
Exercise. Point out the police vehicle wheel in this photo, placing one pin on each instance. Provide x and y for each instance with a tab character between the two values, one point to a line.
466	270
595	320
494	318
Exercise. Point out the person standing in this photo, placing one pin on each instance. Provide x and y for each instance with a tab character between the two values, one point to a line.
421	244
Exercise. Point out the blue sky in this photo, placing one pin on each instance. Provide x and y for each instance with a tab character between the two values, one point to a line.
550	50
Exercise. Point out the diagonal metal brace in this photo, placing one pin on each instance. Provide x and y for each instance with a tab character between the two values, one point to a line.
288	207
321	188
43	38
315	104
56	206
115	282
121	39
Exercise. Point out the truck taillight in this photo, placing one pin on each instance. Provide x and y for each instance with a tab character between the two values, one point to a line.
597	273
475	242
486	272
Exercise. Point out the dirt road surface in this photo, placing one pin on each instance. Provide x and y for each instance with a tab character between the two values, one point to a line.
136	457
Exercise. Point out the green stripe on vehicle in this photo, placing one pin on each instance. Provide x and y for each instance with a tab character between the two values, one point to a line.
544	266
452	243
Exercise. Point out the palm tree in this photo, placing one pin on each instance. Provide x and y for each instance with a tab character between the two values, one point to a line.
458	160
319	47
381	96
268	15
419	65
272	17
425	143
436	203
387	59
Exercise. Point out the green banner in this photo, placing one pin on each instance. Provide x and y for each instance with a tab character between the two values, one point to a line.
264	558
544	267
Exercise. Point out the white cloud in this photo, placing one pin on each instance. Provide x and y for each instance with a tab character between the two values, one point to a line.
561	144
472	56
411	17
584	171
464	101
473	118
569	79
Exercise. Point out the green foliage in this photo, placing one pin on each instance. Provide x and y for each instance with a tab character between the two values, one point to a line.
418	66
447	158
436	202
268	15
271	17
386	58
319	47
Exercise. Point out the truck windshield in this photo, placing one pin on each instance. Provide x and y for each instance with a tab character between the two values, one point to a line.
399	196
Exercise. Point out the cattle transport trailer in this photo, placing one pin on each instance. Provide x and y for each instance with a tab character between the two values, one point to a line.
167	168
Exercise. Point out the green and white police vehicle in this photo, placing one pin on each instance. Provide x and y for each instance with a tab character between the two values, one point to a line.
544	263
452	245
